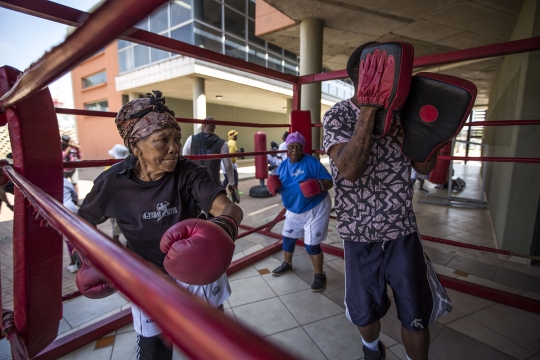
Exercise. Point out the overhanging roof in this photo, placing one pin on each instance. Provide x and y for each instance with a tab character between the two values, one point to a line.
433	26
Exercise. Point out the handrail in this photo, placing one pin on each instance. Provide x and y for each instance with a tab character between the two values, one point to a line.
492	159
201	332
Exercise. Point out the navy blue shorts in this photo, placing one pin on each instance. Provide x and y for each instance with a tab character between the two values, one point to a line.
419	296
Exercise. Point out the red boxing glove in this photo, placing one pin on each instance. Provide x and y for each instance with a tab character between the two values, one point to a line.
312	187
376	79
273	184
90	281
198	251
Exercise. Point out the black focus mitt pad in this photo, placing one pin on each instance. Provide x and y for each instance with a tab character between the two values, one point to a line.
435	112
403	54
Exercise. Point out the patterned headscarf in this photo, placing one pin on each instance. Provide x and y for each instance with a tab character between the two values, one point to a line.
295	137
142	117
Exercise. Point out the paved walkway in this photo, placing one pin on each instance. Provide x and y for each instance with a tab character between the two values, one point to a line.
312	325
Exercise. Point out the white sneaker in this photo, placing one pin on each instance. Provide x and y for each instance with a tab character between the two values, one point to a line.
73	268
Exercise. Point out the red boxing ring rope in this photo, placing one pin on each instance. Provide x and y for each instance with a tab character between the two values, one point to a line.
197	329
180	120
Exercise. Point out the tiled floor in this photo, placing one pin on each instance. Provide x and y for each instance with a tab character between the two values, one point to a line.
312	325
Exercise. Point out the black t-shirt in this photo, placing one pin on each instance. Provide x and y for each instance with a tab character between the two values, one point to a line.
146	209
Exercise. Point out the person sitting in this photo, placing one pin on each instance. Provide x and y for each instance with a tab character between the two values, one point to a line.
274	160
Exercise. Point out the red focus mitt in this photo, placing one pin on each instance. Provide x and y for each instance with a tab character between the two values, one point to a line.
90	281
273	184
384	80
198	251
312	187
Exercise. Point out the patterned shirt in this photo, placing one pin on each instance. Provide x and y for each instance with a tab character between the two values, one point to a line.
378	206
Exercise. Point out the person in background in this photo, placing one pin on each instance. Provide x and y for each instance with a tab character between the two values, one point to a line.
283	146
274	160
207	143
71	151
7	187
233	149
303	183
70	201
421	179
118	152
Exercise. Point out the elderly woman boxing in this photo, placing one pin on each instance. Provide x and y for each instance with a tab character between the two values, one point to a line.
153	189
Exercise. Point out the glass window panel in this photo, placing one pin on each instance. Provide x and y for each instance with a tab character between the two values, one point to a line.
290	56
208	11
159	20
125	60
251	9
157	54
184	34
143	24
257	55
96	79
274	48
181	11
274	62
235	23
98	106
290	68
251	34
239	5
207	38
123	43
235	48
141	55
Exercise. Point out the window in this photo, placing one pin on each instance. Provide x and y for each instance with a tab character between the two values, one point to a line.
97	106
251	8
159	21
235	49
251	34
239	5
257	56
93	80
184	34
125	60
235	23
207	38
142	55
157	54
181	11
208	11
123	43
274	62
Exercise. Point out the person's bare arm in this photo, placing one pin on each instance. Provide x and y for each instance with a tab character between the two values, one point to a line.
223	206
425	168
351	158
328	184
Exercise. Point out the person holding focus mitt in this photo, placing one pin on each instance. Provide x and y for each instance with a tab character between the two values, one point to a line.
373	204
303	183
158	198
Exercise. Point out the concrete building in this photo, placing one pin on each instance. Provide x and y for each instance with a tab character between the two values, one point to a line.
193	88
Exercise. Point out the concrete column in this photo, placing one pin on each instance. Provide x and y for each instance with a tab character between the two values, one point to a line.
199	103
311	46
289	109
133	96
